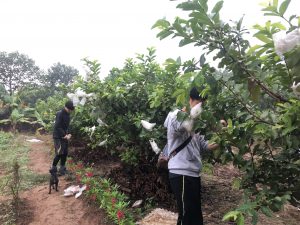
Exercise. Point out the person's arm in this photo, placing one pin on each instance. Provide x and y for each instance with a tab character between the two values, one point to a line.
212	146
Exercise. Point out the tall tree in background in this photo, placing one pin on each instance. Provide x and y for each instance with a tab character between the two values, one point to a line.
16	70
60	74
48	83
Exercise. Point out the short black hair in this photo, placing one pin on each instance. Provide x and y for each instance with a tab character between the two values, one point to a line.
195	95
69	104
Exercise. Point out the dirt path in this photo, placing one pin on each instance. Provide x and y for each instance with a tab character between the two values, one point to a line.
54	209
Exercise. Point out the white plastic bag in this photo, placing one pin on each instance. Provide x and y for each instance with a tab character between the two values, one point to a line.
286	42
154	146
147	125
196	111
102	143
296	89
82	101
188	125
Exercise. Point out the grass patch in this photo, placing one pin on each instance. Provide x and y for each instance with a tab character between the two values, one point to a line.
11	150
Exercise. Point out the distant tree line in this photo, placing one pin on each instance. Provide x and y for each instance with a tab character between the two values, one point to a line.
19	75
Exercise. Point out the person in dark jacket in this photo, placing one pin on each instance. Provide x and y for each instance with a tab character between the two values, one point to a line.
61	136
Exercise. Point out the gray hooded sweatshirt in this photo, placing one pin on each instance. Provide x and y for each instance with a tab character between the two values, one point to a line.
188	161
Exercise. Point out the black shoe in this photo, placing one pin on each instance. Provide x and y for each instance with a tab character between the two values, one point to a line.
62	171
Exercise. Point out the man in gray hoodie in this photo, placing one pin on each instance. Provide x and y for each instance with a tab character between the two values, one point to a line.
185	166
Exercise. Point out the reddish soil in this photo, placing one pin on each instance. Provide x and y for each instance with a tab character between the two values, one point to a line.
41	208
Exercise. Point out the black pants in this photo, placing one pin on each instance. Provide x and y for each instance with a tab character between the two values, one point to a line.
187	191
61	152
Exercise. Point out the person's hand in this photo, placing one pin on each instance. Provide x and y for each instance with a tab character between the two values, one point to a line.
68	136
183	109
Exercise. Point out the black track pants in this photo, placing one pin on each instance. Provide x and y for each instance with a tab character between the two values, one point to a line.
187	191
61	152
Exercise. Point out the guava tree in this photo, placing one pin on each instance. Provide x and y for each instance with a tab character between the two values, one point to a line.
141	90
251	88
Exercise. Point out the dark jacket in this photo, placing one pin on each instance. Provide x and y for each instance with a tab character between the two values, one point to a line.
62	121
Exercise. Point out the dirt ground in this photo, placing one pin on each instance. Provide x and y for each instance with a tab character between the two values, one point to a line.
39	208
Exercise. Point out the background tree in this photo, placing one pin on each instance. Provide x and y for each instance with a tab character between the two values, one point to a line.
60	74
16	70
31	93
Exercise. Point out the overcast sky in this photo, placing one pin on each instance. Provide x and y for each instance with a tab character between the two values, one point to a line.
110	31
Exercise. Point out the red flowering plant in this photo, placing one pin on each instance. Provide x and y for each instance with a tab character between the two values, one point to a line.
115	203
101	191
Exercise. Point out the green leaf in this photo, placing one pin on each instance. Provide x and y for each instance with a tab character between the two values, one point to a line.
263	38
187	6
292	17
239	24
279	26
266	210
231	215
283	7
180	95
161	24
275	3
202	59
203	4
240	220
5	121
289	130
253	49
185	41
270	9
254	217
298	21
202	18
258	27
277	198
270	14
163	34
216	17
177	26
217	7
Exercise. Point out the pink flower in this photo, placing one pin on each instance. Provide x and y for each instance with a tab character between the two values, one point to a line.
113	201
120	214
89	174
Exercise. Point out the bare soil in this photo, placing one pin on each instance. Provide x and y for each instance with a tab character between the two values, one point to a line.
39	208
